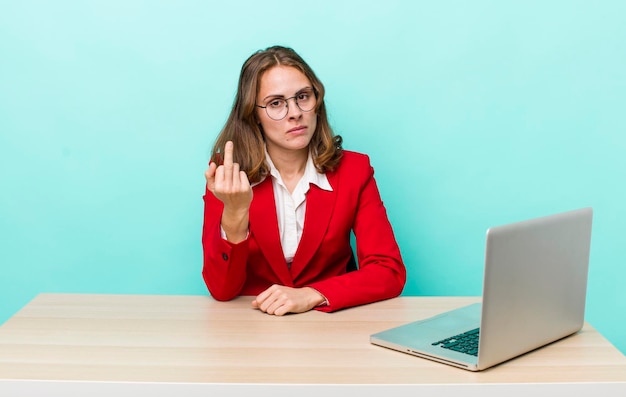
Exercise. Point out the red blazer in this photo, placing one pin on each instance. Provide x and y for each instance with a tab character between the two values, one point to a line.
253	265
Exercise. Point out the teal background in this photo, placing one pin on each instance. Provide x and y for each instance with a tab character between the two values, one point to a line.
474	113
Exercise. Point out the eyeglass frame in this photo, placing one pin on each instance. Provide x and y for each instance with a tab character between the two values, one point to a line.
295	99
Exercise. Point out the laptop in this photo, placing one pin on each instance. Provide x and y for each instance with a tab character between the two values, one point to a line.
534	293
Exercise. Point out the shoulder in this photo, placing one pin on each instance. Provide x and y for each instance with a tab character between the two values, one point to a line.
352	159
354	167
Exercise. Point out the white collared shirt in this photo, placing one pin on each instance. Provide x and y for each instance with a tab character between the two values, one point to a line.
291	207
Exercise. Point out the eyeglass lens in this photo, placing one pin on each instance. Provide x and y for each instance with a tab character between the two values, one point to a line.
278	108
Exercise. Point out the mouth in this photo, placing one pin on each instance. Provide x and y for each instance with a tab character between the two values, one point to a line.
297	129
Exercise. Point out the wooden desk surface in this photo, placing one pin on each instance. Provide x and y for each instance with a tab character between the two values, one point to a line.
138	338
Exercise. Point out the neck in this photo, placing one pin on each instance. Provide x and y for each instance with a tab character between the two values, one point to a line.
290	164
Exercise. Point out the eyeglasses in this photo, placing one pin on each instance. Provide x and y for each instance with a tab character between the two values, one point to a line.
278	108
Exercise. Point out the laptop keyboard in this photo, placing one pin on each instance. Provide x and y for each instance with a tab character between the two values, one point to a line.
467	342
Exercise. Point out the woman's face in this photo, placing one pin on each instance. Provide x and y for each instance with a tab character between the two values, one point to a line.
294	131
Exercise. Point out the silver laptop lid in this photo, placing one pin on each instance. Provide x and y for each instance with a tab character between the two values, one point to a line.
535	284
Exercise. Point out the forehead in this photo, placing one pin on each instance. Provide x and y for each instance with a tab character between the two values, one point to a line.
282	80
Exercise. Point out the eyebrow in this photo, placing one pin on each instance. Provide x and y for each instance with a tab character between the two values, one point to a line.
307	88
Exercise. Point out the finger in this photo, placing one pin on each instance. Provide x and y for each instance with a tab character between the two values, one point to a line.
209	174
228	160
255	304
264	306
281	311
279	308
236	178
274	302
262	297
210	171
243	180
228	153
271	304
219	178
265	298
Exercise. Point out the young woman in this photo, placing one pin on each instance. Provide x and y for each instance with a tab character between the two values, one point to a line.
282	198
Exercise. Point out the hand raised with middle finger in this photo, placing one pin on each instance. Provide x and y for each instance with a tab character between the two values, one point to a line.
231	186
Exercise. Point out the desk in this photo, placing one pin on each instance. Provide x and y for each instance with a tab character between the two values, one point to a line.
97	345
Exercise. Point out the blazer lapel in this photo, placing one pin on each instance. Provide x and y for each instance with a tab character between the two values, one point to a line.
264	228
319	209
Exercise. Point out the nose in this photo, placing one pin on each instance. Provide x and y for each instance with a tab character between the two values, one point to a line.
293	110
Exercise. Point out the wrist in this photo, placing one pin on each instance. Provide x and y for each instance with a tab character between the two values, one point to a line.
318	298
235	226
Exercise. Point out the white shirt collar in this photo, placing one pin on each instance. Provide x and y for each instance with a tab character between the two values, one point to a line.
311	175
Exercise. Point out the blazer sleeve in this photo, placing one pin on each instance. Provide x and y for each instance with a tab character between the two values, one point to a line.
224	263
381	274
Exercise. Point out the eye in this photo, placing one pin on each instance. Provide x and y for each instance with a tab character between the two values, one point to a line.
276	103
